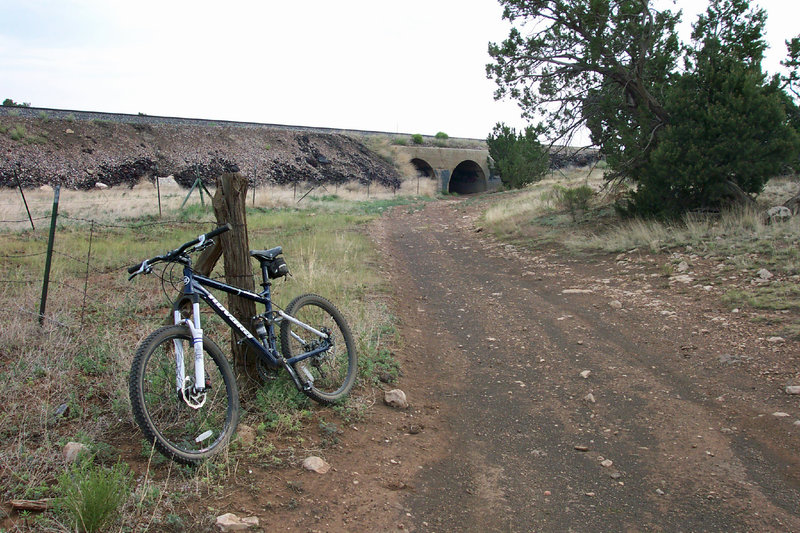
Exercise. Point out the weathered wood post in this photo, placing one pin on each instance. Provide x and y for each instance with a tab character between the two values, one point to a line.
229	206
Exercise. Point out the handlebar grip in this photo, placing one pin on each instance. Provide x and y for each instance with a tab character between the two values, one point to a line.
134	268
221	229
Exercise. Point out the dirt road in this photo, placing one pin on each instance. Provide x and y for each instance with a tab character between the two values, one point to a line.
581	394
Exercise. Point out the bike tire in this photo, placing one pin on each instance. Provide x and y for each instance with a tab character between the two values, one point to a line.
332	373
176	429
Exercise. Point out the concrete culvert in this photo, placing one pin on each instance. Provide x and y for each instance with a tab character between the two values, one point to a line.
468	178
424	170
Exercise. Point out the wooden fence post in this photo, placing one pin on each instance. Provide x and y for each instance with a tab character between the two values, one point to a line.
229	206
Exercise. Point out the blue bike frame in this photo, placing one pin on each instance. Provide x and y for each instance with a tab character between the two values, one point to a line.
195	288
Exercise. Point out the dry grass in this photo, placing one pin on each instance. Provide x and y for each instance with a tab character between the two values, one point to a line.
739	240
79	359
124	203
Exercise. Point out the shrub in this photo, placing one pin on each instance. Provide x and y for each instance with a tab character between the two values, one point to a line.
90	494
416	138
18	132
442	135
519	160
574	199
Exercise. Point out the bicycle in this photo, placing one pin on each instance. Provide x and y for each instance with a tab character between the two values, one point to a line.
189	409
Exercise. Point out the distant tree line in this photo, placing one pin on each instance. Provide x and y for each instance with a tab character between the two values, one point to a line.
692	126
8	102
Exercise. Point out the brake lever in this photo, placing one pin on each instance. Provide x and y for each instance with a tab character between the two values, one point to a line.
144	268
202	246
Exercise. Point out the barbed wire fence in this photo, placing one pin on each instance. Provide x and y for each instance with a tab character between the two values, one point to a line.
76	265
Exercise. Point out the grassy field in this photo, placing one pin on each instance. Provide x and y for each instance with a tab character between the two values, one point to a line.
740	241
67	379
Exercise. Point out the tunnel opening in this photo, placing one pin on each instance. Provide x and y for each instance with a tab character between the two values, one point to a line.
468	178
424	170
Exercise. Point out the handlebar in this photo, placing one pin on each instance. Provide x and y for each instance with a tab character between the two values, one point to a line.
144	266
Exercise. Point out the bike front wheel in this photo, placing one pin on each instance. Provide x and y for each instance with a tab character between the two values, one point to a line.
183	424
330	374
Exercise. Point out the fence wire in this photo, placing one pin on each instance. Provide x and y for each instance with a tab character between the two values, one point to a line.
71	269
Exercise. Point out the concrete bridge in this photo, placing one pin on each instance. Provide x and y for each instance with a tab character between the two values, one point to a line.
458	170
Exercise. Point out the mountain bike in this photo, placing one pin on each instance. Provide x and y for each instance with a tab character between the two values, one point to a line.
183	391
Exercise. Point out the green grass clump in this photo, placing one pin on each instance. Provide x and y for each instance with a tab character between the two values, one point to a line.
574	199
90	495
18	133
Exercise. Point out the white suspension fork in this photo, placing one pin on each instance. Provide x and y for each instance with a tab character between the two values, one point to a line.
197	343
180	367
196	397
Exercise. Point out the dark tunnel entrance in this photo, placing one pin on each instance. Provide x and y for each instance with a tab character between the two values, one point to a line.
468	178
424	170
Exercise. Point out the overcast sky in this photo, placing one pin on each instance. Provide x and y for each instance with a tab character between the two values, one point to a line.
416	66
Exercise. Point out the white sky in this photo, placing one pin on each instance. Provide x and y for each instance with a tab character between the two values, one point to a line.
416	66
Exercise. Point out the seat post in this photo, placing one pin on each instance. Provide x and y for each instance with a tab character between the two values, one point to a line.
266	283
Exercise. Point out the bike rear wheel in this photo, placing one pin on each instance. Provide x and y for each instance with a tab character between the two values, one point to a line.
332	373
162	408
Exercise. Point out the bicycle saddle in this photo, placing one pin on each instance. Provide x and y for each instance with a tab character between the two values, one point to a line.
266	255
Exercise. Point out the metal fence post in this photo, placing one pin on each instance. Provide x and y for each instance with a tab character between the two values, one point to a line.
27	210
49	255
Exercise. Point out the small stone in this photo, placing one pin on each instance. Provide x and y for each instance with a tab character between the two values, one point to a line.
780	414
100	185
764	274
779	213
793	389
231	522
590	494
72	450
608	463
247	435
776	340
582	448
589	398
61	410
615	475
69	131
395	398
577	291
660	492
586	373
683	266
316	464
615	304
547	493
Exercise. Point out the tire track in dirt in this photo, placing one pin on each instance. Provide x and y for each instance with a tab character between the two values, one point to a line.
502	346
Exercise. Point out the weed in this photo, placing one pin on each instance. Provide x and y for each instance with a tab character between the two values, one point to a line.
574	199
417	138
18	133
90	495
